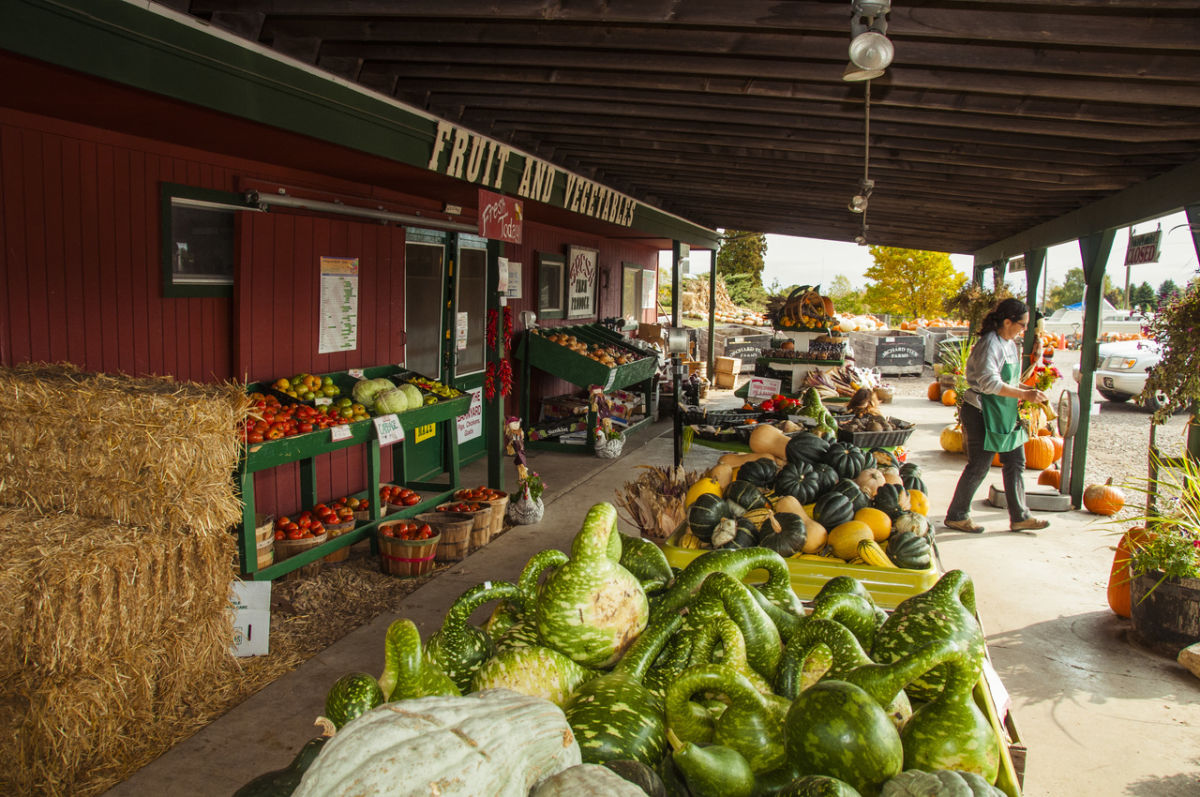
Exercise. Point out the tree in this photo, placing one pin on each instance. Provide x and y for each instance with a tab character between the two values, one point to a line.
1069	292
846	298
910	282
1143	297
1166	291
740	262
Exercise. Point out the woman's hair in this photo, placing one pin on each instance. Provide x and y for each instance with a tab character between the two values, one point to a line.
1007	309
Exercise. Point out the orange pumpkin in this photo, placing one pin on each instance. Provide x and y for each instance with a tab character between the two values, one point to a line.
1039	453
1058	446
951	439
1045	431
1051	476
1103	499
950	397
934	392
1120	576
996	463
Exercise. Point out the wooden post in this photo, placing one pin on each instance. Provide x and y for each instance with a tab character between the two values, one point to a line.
1093	250
1035	261
676	292
493	411
712	320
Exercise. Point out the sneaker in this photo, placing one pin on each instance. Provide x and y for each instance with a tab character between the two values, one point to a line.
1029	524
966	524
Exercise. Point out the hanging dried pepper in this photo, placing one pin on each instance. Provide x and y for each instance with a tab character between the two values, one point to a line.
489	382
506	378
491	329
508	330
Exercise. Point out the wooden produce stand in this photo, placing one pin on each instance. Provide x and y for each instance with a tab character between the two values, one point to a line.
536	351
305	448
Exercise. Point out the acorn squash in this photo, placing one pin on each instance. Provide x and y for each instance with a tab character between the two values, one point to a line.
826	477
845	458
833	509
882	458
893	499
745	534
742	497
852	491
759	472
706	514
807	447
911	521
909	550
785	533
799	480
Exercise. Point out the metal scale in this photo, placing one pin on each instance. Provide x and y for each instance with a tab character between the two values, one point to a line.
1068	423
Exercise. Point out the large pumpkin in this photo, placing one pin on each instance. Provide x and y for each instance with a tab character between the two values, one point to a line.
1051	477
1058	446
1119	577
952	439
1103	499
935	391
1039	453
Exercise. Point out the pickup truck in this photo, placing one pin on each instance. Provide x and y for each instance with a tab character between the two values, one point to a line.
1121	369
1069	322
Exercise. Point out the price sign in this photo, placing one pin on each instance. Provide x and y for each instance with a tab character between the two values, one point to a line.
323	401
388	429
761	387
340	432
357	373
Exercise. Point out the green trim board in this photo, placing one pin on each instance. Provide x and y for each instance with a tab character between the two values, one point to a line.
153	48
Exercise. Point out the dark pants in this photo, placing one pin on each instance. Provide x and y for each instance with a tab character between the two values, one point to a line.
979	462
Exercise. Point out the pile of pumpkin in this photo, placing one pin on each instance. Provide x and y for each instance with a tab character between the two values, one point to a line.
609	356
803	496
688	683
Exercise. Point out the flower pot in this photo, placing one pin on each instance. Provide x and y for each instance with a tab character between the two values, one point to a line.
1165	614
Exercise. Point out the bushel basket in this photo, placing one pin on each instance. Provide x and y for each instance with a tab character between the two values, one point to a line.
407	558
481	527
286	549
455	531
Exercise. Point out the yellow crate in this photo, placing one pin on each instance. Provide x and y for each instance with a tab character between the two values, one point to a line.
888	586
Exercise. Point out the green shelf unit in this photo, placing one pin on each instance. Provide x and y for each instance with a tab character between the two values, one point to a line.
536	351
304	449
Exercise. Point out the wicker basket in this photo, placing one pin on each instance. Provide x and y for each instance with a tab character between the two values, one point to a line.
264	527
455	531
337	530
499	507
266	553
286	549
481	527
407	558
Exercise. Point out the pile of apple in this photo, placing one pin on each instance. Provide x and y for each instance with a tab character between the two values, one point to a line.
398	496
271	420
307	387
306	526
406	530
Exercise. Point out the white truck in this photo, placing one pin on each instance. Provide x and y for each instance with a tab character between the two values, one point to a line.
1068	321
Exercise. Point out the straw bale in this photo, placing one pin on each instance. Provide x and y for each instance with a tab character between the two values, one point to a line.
78	592
144	451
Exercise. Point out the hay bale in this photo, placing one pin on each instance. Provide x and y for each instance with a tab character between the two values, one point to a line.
77	593
143	451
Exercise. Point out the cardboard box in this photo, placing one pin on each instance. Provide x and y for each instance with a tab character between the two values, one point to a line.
251	604
650	332
729	365
556	430
726	381
555	408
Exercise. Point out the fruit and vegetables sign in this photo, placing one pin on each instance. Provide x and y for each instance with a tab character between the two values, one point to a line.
581	282
339	305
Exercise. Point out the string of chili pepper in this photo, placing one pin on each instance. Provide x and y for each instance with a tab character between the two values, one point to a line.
489	382
506	378
491	329
508	330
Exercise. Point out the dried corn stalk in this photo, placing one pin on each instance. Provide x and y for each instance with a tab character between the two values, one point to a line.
654	500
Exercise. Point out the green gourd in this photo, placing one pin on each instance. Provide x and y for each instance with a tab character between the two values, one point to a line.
646	561
910	550
714	771
944	611
722	595
942	783
738	565
509	613
950	731
783	532
532	670
458	647
408	671
674	658
615	716
799	480
351	696
819	786
282	782
591	608
807	447
752	724
724	632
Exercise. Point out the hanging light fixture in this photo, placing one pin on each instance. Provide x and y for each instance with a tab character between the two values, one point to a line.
871	51
858	203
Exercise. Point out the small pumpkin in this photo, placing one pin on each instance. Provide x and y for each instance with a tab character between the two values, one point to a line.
951	438
826	477
845	458
919	502
879	521
743	496
893	499
869	480
785	533
911	522
1058	446
1051	476
950	397
1039	453
845	537
759	472
800	480
934	391
705	513
1103	499
1119	577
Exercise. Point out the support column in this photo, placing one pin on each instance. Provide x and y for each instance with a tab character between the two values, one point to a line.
712	320
1193	217
493	412
1093	250
1035	261
676	290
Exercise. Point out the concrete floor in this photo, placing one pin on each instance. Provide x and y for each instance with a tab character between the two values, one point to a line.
1099	714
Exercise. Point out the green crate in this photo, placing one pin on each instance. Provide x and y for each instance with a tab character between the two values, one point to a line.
580	370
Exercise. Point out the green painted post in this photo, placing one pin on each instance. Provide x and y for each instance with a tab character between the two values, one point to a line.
676	298
1035	261
712	320
1093	250
493	413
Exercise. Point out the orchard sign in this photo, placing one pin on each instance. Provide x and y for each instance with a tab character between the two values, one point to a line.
464	155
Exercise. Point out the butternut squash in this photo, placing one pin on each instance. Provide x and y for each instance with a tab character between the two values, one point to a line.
766	439
737	460
788	503
722	474
815	535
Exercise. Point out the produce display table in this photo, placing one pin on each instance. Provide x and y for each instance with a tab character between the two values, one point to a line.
536	350
304	450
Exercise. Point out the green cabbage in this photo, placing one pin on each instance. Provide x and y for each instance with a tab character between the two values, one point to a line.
366	390
389	401
415	399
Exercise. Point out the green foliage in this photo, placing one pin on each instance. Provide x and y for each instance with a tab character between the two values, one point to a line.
1174	521
1143	297
910	282
746	290
1176	327
1069	292
846	298
1166	290
741	253
972	303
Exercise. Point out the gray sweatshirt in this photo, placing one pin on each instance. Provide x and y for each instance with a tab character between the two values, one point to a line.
988	356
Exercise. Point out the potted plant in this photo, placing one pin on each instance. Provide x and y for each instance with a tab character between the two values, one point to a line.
1176	329
1164	555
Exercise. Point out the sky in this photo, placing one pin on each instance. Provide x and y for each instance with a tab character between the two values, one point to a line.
798	261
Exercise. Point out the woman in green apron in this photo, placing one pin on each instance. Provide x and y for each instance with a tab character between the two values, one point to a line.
990	421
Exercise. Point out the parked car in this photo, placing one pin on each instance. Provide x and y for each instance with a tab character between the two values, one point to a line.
1121	369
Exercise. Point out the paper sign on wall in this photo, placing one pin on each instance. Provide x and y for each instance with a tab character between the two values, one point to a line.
650	290
761	387
388	429
251	605
514	281
502	271
460	331
339	305
470	423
